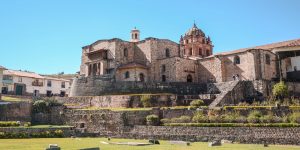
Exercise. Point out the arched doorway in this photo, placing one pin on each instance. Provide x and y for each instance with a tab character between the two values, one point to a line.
189	78
142	77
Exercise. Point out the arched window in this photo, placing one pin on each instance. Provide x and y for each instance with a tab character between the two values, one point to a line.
163	68
125	52
268	60
207	53
186	41
135	36
90	70
163	78
191	51
167	52
200	51
189	78
236	60
142	77
126	75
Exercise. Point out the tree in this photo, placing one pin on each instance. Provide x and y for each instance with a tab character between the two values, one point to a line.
280	90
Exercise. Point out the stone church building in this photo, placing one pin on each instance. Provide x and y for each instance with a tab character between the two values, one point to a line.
190	60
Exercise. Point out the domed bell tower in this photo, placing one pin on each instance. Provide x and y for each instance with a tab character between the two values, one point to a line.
135	35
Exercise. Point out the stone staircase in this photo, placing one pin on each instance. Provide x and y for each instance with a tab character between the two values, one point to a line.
225	88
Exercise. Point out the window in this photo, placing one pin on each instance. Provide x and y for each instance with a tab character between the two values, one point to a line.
163	68
167	52
163	78
191	51
20	79
142	77
237	60
268	60
126	75
207	53
200	51
136	36
189	78
125	52
186	41
63	85
62	94
49	93
49	83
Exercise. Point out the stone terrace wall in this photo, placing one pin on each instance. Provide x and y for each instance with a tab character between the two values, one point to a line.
253	135
95	86
16	111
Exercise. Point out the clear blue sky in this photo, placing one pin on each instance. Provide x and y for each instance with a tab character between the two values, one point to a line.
47	36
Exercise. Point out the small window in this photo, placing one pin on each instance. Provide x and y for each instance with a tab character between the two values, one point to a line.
126	75
200	51
268	60
237	60
20	79
207	52
186	41
62	94
125	52
163	68
49	83
136	36
167	52
163	78
63	85
49	94
191	51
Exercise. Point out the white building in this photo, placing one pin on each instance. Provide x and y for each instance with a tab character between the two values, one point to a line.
32	84
1	76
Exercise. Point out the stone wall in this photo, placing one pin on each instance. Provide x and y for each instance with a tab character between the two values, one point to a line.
253	135
93	86
16	111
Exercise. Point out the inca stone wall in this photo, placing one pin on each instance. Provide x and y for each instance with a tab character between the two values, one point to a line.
253	135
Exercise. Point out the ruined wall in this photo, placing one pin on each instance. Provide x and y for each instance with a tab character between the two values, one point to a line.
16	111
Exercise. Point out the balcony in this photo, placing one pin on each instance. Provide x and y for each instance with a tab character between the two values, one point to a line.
37	83
7	81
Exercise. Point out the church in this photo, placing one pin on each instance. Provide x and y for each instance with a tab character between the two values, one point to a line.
190	60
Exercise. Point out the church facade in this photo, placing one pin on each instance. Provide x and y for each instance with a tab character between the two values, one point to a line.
190	60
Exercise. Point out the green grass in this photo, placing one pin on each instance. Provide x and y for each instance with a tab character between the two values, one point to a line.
12	99
77	143
41	126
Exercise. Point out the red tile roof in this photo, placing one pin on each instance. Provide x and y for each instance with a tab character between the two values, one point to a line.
23	74
272	46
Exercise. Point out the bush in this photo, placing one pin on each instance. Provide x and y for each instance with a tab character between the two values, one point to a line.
295	117
266	119
9	123
165	120
199	117
235	124
181	119
146	100
280	90
254	117
152	120
27	124
40	106
197	103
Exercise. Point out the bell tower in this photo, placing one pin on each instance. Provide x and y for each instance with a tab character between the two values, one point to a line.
135	35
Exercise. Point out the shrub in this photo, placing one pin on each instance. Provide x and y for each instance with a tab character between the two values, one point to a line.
199	117
40	106
295	117
280	90
152	120
146	100
266	119
197	103
58	133
165	120
181	119
254	117
27	124
9	123
241	119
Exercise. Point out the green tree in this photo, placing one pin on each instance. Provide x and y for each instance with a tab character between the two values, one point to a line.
280	90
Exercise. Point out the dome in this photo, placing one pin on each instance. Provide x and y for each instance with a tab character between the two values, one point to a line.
195	31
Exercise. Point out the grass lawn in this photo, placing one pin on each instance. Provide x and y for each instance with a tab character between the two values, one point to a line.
13	99
77	143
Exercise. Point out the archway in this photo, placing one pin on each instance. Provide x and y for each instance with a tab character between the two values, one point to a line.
142	77
189	78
